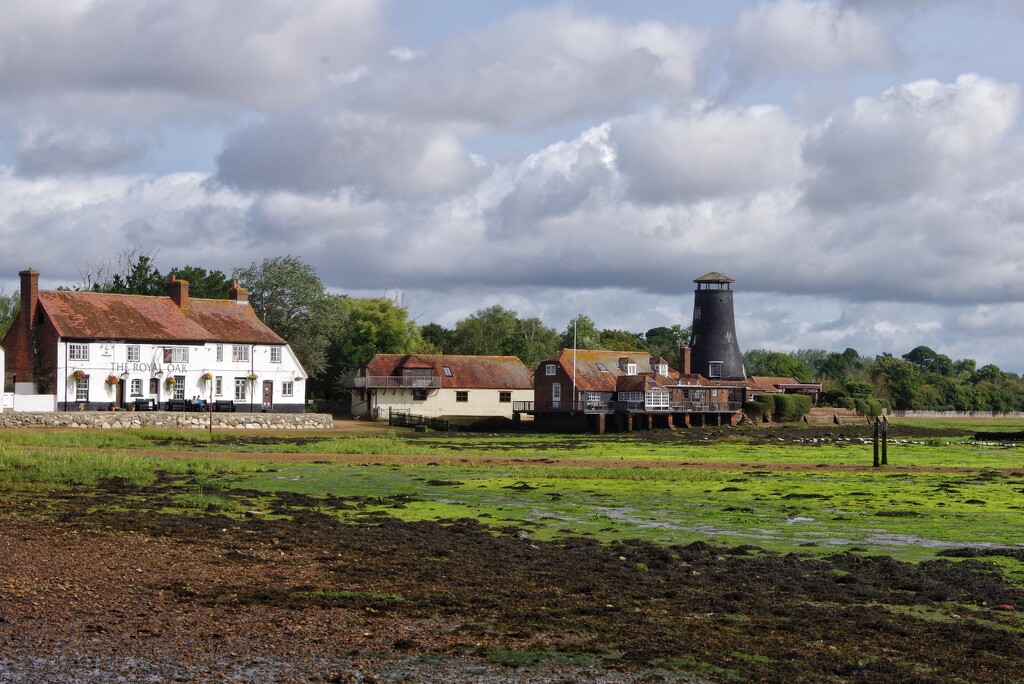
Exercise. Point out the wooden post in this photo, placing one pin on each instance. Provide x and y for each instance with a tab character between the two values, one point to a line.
885	441
875	446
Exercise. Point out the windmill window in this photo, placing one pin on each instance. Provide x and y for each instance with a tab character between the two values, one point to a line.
715	369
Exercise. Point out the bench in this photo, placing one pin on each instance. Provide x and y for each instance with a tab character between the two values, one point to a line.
224	406
178	405
145	405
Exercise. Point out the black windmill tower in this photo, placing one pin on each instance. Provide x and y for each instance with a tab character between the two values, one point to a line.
715	353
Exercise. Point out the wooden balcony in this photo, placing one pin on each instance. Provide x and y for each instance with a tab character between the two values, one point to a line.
393	382
588	407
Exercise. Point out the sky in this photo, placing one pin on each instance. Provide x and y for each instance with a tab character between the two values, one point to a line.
856	166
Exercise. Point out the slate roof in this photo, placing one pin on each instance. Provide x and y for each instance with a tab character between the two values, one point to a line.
468	372
100	316
590	377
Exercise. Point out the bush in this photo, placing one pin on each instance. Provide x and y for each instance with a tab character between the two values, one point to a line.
859	390
790	406
874	407
831	397
845	402
760	408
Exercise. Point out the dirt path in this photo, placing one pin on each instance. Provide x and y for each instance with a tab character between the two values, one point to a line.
490	460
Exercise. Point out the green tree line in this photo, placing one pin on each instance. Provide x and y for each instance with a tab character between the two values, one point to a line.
333	334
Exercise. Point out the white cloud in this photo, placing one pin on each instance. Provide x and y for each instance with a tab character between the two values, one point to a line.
706	154
917	137
810	36
541	67
46	149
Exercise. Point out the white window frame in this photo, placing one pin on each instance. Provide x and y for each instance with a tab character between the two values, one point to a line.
136	390
275	354
133	354
239	353
287	388
220	352
630	369
82	389
78	351
176	354
634	397
715	369
218	385
549	369
179	387
241	389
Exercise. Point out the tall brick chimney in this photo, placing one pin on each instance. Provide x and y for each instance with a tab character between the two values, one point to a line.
29	297
178	291
684	359
238	294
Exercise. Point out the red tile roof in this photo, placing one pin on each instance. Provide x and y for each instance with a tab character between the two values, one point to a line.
766	383
590	377
93	315
468	372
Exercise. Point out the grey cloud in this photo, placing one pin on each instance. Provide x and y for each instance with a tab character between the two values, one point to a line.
308	152
44	149
554	184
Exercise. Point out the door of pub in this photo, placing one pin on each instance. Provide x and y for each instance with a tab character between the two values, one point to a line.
268	395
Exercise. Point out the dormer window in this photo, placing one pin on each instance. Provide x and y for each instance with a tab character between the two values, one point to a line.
662	369
627	365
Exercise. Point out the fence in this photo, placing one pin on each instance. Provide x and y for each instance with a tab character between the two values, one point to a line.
406	419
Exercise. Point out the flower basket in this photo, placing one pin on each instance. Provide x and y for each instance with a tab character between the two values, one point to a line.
112	380
206	377
79	375
169	382
252	377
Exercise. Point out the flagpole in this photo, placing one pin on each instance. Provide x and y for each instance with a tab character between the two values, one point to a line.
574	363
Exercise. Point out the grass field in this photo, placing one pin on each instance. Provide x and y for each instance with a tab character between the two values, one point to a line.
797	491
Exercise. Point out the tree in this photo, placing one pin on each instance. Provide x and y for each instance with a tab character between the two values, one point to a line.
928	361
202	283
289	297
665	342
622	340
9	307
582	333
499	331
774	364
137	274
356	329
437	339
900	378
834	367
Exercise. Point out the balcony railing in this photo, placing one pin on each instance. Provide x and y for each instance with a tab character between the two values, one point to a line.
624	407
393	382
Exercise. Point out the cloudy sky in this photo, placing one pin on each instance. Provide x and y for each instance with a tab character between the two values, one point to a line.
856	166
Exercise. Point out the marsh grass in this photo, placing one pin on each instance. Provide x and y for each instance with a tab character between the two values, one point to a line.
64	468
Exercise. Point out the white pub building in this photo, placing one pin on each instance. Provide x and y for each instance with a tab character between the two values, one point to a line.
97	351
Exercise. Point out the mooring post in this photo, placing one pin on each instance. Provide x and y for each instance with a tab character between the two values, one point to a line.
875	445
885	441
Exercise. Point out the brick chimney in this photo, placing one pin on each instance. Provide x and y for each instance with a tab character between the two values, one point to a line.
684	359
238	294
178	291
29	296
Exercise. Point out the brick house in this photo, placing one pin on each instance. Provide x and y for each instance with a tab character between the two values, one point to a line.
95	350
584	388
435	385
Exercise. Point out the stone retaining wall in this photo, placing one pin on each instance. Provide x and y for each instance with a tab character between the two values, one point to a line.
164	419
